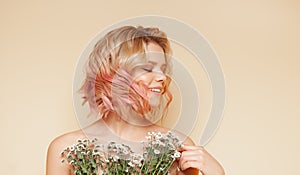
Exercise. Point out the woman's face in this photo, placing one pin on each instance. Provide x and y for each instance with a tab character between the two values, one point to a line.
152	74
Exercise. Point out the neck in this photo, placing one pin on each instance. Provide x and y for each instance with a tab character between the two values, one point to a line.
122	126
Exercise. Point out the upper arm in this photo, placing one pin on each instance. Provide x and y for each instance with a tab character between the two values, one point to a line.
54	166
189	141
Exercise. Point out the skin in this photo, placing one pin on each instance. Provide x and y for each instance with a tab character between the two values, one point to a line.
193	159
152	74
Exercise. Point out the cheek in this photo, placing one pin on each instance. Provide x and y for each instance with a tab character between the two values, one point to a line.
143	78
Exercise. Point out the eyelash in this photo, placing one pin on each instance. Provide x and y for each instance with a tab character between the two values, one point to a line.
150	70
147	70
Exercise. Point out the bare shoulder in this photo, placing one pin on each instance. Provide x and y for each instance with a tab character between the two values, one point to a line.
54	165
67	139
186	139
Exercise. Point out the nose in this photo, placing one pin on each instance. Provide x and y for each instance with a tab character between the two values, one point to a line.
160	76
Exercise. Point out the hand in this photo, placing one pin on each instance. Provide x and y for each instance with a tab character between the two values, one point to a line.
197	157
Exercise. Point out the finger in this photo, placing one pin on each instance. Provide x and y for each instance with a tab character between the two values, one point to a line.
193	153
196	152
189	147
190	156
191	164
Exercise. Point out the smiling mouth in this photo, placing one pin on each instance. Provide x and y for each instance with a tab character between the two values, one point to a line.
156	90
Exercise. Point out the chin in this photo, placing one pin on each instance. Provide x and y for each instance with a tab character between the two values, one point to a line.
154	101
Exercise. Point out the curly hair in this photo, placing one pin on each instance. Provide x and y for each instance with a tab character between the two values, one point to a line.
108	85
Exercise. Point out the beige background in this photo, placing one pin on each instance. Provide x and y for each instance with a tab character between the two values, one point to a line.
257	43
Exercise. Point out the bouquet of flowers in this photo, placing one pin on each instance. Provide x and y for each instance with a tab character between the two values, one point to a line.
89	158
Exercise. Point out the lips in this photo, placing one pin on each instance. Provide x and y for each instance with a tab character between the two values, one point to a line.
156	89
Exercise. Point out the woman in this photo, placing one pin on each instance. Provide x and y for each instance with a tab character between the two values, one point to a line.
127	80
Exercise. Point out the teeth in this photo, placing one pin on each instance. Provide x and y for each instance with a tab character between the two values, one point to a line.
155	90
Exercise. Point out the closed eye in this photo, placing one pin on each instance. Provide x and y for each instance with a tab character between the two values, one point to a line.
147	69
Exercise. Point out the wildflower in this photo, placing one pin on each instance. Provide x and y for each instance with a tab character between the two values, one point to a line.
97	153
85	154
72	161
125	151
72	148
161	144
131	164
94	140
62	153
151	133
177	154
78	149
156	151
158	135
116	158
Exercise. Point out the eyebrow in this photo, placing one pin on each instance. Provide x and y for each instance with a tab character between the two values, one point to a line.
155	63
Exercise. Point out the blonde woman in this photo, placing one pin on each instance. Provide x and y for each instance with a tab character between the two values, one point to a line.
127	81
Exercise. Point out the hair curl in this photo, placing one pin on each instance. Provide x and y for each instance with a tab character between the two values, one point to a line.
109	68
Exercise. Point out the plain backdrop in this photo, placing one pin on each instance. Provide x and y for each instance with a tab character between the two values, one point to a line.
257	42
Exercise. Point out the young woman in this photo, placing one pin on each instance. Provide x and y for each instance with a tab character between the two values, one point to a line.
127	80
